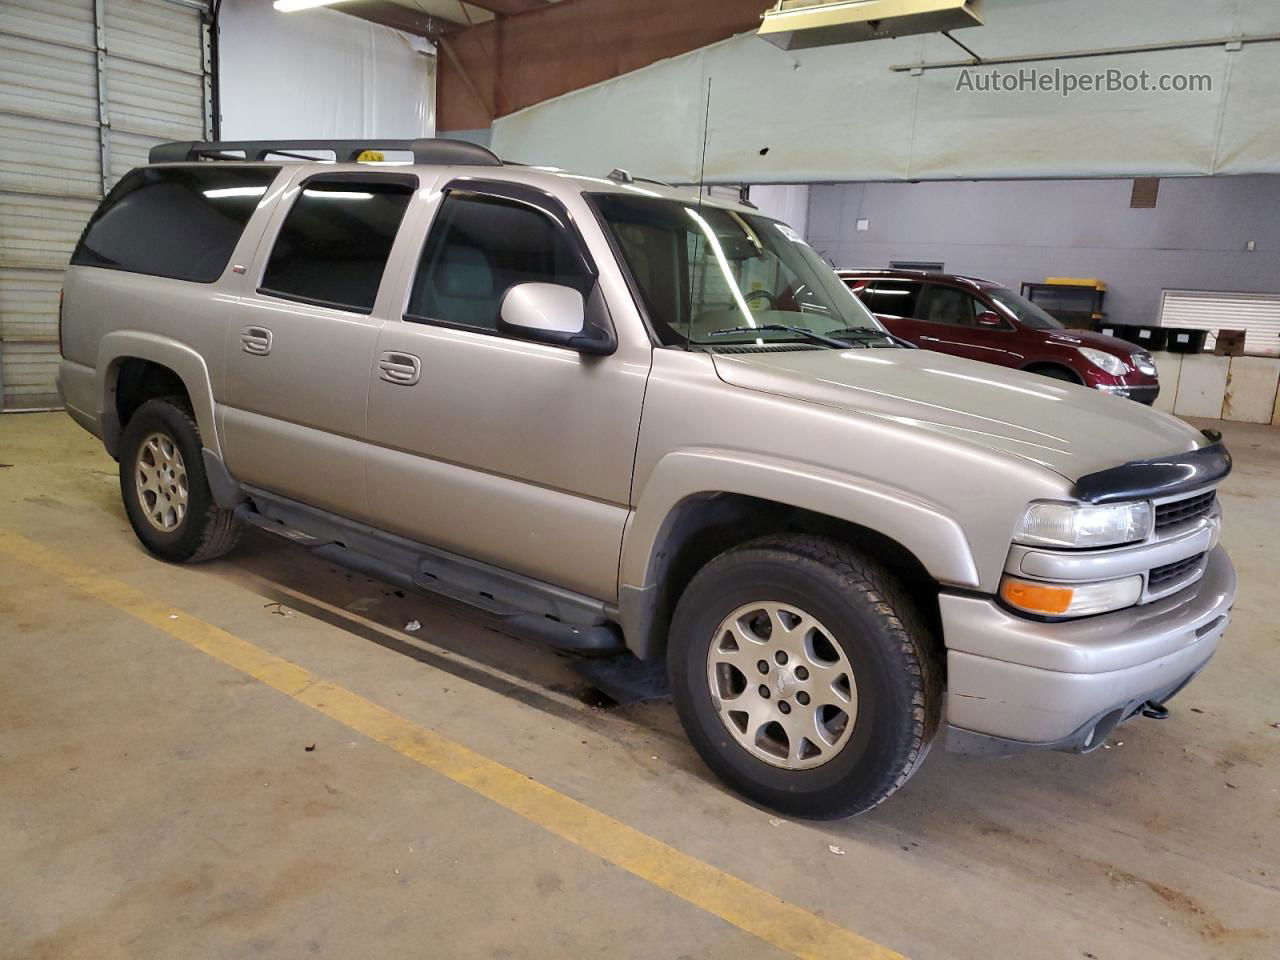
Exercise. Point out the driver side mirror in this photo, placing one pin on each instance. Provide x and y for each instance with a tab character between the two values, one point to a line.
991	320
553	313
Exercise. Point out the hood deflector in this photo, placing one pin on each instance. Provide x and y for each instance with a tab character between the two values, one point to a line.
1160	477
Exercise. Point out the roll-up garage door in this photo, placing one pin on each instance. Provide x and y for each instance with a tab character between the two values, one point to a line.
86	88
1257	314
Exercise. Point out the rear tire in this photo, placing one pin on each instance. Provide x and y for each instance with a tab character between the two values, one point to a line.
811	610
165	488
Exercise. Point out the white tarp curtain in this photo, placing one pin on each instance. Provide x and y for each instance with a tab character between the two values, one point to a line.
839	113
320	74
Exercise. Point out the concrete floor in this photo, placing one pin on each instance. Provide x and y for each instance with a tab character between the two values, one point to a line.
155	802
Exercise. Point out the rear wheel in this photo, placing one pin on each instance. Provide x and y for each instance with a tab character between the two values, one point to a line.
803	677
164	487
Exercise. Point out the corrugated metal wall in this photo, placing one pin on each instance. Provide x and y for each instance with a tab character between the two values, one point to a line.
86	88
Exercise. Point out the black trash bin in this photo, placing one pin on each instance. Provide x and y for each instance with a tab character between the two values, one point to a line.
1153	338
1185	340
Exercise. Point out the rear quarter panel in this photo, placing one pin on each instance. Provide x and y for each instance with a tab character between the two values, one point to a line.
109	315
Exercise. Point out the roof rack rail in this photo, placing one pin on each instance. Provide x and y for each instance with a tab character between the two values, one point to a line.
427	150
619	175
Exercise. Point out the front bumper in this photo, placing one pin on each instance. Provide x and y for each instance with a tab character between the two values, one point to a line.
1146	394
1015	684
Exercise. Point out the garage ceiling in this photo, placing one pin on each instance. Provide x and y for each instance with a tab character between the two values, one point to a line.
447	14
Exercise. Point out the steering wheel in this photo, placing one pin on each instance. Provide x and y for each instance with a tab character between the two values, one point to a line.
770	301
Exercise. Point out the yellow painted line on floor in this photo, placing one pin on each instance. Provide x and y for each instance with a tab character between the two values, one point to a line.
772	919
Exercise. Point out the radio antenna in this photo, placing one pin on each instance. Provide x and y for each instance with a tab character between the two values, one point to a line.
702	162
698	241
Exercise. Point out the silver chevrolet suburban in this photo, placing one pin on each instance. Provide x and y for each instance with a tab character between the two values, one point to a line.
624	417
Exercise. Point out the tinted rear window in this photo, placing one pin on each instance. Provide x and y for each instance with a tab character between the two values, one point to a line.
334	243
179	222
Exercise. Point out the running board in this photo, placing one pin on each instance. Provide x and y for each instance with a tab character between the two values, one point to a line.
559	618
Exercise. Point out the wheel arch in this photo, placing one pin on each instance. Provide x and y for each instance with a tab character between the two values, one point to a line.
1039	366
676	530
134	366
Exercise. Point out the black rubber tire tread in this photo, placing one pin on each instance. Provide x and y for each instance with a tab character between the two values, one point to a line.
900	629
208	531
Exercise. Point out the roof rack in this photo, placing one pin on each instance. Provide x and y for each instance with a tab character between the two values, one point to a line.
619	175
430	150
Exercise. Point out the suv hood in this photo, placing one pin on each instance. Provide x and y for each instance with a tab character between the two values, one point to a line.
1070	429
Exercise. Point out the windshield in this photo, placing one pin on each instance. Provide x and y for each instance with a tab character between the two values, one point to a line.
1026	312
714	277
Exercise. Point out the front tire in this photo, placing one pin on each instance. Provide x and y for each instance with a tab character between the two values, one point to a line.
165	489
803	677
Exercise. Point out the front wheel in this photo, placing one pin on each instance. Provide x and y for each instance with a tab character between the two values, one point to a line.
802	675
165	489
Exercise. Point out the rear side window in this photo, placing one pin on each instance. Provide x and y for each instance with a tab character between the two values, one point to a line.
178	222
479	248
333	246
892	298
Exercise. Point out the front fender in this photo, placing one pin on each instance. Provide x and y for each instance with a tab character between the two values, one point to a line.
925	529
178	357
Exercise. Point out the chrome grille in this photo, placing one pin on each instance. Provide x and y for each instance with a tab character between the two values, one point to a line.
1180	511
1171	573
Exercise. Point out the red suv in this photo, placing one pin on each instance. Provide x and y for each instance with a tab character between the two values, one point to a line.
982	320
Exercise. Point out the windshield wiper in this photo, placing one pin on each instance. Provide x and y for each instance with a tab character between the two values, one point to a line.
867	333
784	328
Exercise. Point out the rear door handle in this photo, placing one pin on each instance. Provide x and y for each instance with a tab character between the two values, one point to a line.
255	340
402	369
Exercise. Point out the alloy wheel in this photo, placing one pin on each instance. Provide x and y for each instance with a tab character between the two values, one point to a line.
161	479
782	686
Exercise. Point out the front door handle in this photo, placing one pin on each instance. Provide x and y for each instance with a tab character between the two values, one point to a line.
402	369
255	340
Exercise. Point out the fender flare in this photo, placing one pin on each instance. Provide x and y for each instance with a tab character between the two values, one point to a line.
931	534
189	366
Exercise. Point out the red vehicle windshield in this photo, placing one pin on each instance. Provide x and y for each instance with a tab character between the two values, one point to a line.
1026	312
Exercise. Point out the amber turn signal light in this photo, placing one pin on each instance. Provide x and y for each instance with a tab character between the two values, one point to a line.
1036	597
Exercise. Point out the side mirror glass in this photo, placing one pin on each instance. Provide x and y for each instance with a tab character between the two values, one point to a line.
551	313
991	320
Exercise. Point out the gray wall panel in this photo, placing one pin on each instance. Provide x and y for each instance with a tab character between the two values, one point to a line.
1194	239
840	113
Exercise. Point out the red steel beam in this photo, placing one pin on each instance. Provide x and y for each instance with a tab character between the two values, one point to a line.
510	63
509	8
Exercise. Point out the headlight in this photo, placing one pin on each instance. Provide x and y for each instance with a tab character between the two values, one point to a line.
1070	600
1084	524
1145	364
1104	361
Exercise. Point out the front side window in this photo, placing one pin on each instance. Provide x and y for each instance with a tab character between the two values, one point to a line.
333	246
951	306
481	246
711	276
178	222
